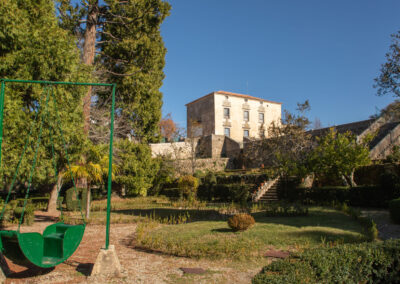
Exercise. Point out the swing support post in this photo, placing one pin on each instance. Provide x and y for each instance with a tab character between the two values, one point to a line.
110	169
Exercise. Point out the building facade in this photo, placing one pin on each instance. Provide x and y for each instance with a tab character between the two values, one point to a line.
234	115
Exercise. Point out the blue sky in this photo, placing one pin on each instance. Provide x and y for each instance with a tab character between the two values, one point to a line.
287	51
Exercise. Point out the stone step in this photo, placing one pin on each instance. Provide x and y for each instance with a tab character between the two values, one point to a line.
269	199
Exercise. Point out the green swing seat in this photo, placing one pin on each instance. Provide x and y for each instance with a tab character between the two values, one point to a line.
57	243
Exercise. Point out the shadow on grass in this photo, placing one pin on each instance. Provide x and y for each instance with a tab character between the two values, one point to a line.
324	236
222	230
316	218
162	213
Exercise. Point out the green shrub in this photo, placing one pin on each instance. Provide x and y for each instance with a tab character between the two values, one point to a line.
29	214
241	222
71	200
188	187
207	187
138	170
285	210
354	263
394	209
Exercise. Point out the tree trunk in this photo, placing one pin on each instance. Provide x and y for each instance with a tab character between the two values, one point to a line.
89	48
52	205
350	179
88	195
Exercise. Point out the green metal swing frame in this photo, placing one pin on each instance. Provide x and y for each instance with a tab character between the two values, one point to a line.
58	241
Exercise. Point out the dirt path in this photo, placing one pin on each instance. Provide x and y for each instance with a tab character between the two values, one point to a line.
139	266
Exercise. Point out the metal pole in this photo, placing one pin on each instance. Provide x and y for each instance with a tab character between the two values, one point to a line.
3	85
110	168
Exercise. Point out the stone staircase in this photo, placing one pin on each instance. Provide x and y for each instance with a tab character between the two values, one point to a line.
268	191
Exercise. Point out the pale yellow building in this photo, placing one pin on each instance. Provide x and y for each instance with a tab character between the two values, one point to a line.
230	114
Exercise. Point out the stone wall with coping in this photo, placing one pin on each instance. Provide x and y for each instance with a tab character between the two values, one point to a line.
211	164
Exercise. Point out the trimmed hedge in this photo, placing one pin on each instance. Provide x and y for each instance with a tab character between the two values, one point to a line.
351	263
368	196
285	210
394	209
241	178
238	193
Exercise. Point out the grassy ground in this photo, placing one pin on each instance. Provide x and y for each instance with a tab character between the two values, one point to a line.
214	239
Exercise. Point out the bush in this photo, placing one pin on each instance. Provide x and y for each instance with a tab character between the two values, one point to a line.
394	209
285	210
29	215
354	263
163	178
241	222
138	170
71	200
188	187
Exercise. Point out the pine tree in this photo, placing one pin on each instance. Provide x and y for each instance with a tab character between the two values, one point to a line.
130	53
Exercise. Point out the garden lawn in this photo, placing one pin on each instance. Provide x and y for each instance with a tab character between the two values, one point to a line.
214	239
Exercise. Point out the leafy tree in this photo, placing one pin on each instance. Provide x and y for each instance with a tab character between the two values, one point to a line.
287	145
33	46
168	128
137	168
394	156
91	168
126	35
388	82
339	154
317	123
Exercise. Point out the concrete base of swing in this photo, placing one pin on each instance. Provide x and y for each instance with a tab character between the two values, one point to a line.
107	263
5	270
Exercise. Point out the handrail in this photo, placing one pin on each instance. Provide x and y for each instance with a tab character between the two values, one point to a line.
264	188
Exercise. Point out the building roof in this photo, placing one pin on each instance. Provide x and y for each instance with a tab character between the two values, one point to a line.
232	94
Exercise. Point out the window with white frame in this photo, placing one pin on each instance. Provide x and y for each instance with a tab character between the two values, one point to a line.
246	133
246	115
227	132
226	112
261	117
